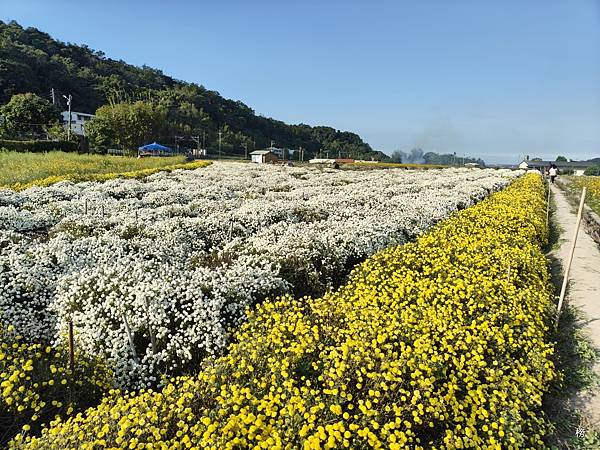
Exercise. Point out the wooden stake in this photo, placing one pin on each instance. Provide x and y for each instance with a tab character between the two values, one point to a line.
548	207
130	338
570	260
71	348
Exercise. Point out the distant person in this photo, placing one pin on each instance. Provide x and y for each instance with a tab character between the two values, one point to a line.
553	172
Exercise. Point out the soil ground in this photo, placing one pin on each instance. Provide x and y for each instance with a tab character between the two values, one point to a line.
583	292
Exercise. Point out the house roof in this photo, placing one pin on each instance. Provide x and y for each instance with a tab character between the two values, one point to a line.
260	152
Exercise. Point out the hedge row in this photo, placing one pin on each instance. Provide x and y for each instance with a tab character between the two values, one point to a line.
38	146
436	344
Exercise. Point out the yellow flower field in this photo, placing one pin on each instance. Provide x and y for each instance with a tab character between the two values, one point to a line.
20	171
441	343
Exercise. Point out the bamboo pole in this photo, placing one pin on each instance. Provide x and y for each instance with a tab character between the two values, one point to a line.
71	348
570	259
130	338
548	208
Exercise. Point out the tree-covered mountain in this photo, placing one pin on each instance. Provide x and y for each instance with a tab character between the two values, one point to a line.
32	61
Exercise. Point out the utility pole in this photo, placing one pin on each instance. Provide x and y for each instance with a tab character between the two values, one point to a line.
52	94
69	98
272	143
197	139
203	139
245	150
220	145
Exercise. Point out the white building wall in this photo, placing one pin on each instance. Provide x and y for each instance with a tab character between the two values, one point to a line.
78	121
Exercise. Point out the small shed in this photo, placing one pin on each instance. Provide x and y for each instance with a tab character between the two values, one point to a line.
263	156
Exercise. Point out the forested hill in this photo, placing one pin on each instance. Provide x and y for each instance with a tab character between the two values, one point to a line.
32	61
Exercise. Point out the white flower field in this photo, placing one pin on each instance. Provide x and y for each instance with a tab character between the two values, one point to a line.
154	273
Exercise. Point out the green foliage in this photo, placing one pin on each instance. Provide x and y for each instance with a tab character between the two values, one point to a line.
35	146
126	125
417	156
592	171
450	159
396	157
27	112
31	61
561	158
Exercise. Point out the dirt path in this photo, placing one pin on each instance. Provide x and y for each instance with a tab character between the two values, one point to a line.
583	289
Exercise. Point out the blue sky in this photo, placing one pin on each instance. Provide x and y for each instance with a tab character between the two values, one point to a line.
495	79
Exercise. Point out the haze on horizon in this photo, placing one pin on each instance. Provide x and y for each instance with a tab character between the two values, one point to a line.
496	80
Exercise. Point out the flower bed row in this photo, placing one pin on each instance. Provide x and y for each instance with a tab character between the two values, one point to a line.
435	344
75	178
155	273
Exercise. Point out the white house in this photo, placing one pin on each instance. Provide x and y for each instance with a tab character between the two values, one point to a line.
78	121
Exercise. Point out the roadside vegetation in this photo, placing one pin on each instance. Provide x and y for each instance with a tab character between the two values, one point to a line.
576	184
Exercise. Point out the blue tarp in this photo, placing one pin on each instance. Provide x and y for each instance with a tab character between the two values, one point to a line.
155	146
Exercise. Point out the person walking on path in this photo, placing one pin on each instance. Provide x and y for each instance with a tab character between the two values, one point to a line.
553	172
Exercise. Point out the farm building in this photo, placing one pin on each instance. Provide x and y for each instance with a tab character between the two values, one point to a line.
263	156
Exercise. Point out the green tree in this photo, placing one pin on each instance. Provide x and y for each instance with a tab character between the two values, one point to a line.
27	115
397	156
592	171
561	158
126	125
